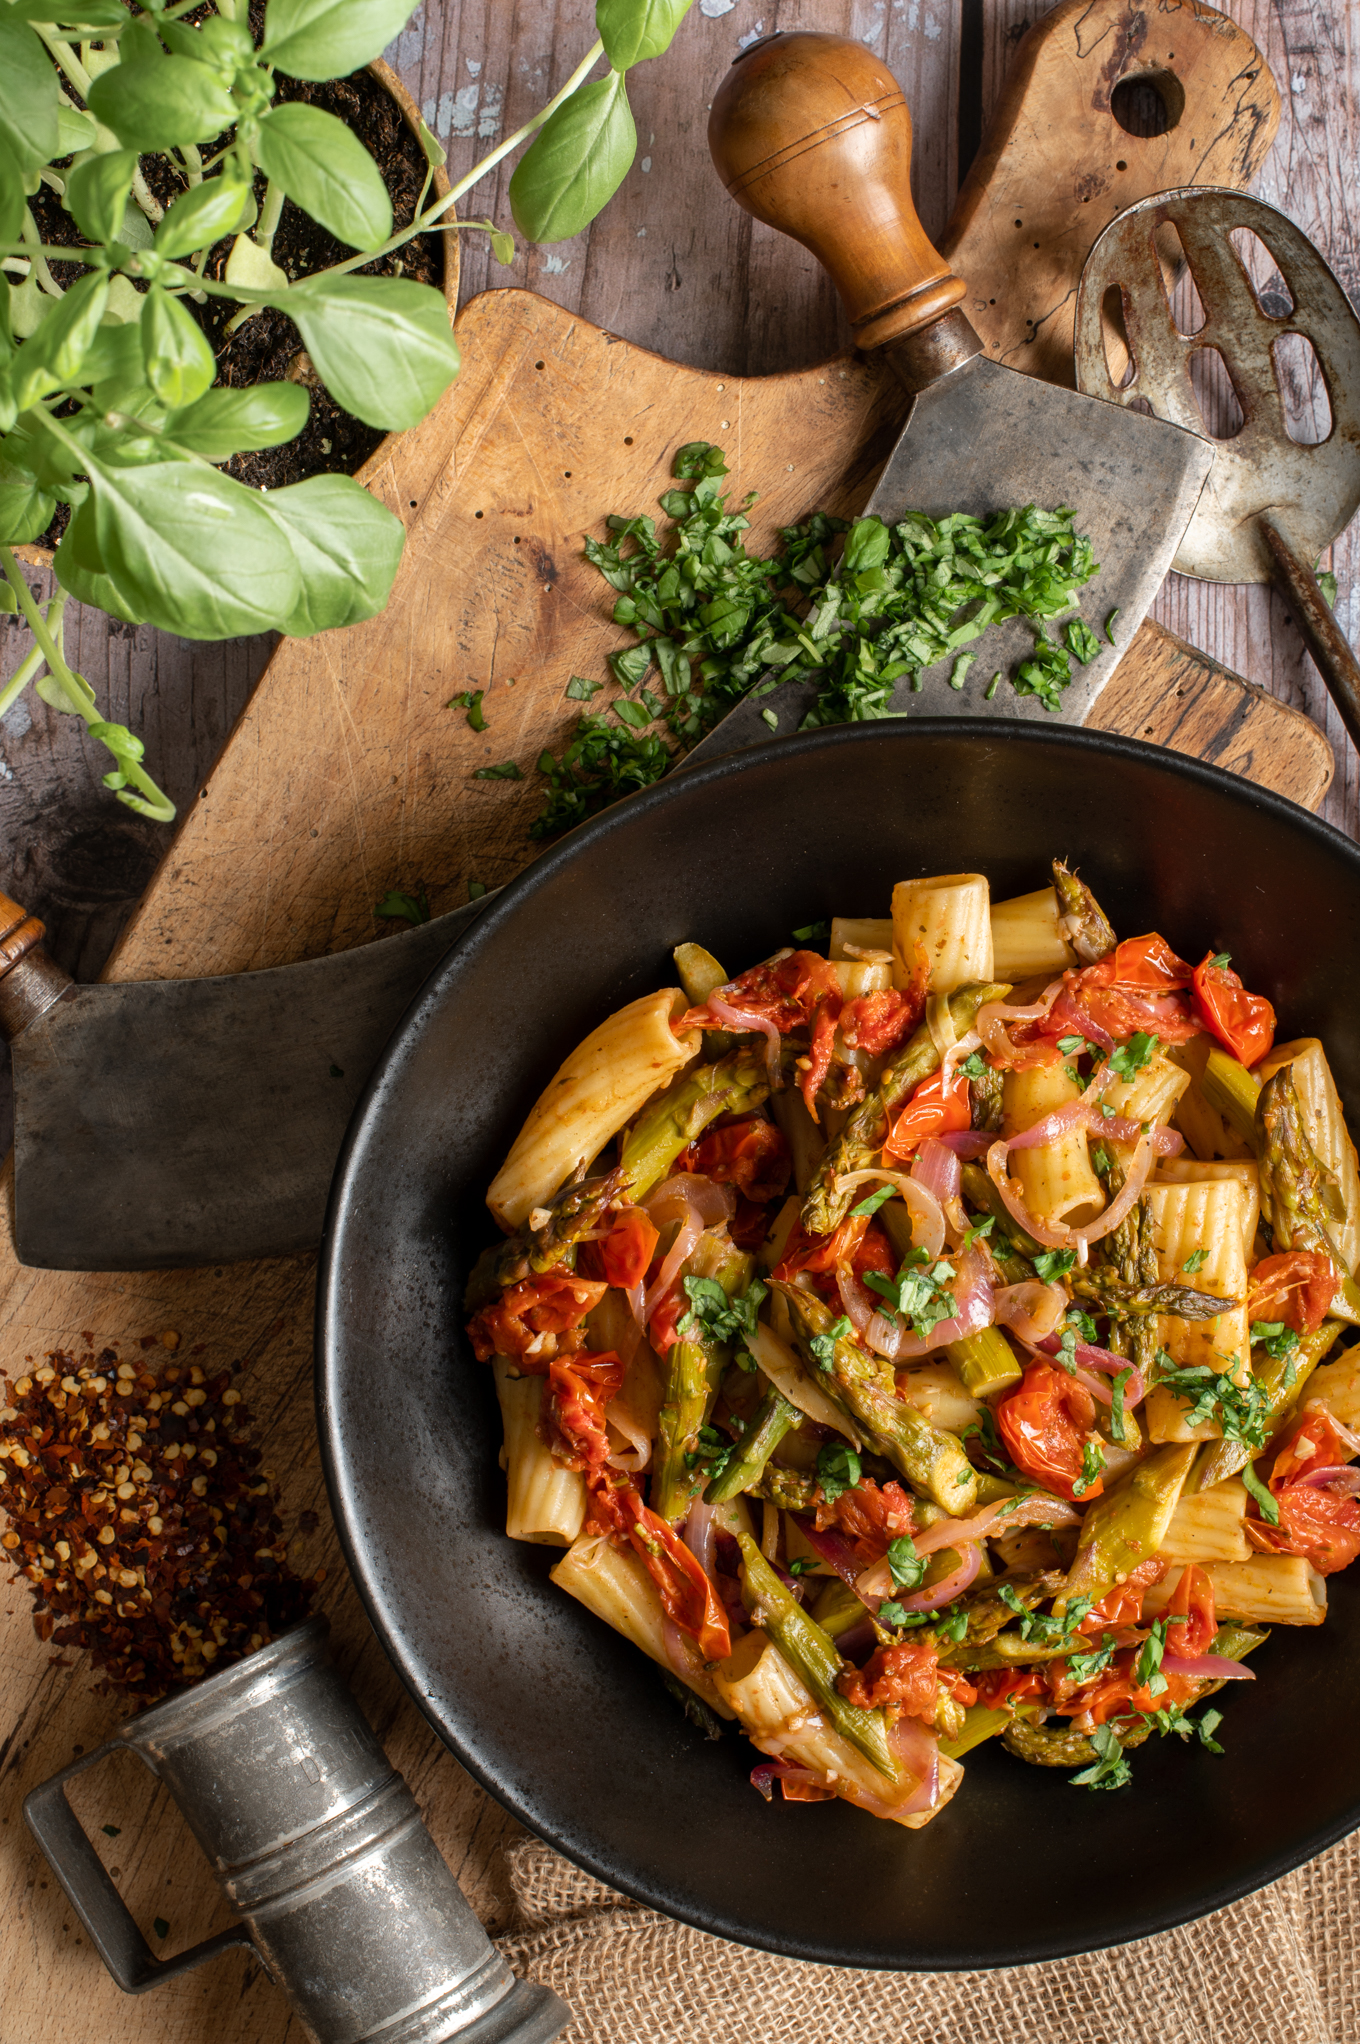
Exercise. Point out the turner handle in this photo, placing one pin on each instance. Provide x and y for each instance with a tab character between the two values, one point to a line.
29	981
812	135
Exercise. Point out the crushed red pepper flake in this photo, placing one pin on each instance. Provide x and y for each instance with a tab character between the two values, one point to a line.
141	1520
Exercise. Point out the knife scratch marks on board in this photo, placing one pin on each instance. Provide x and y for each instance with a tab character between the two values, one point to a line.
348	729
1041	321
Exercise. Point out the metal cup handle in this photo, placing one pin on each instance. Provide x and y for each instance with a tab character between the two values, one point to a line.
112	1928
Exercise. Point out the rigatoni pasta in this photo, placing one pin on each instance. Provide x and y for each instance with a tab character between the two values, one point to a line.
923	1363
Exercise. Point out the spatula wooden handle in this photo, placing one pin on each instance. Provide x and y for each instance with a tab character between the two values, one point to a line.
29	982
811	133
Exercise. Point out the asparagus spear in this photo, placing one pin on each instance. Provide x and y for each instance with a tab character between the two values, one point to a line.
932	1461
772	1419
668	1124
985	1361
694	1365
1050	1746
1129	1523
1280	1379
1298	1193
1232	1092
1106	1292
1083	922
985	1098
553	1233
862	1137
792	1490
812	1655
1007	1235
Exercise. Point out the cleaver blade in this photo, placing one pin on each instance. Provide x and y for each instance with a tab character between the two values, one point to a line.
811	134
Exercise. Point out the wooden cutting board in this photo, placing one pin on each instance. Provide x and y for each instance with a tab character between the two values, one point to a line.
348	774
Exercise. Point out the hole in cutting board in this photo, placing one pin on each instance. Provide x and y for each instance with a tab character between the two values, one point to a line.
1148	103
1219	405
1269	288
1303	393
1178	281
1114	335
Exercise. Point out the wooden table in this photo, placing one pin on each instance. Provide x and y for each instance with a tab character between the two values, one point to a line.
672	268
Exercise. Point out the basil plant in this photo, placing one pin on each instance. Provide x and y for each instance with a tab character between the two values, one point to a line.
107	396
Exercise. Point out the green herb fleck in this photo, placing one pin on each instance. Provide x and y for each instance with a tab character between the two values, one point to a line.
1118	1430
469	699
1051	1264
716	1318
838	1470
1270	1511
1081	641
905	1565
1110	1770
1109	626
1196	1260
1092	1468
879	1197
403	908
506	771
1128	1059
582	691
823	1346
918	1293
112	1830
1222	959
160	1926
476	889
337	1072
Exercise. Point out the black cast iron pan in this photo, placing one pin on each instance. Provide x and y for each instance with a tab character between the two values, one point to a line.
565	1723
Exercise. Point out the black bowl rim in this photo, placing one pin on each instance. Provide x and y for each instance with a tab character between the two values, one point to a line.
1148	1921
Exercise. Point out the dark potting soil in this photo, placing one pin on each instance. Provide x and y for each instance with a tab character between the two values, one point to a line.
268	348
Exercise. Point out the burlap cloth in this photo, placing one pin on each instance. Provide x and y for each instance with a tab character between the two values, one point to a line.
1280	1966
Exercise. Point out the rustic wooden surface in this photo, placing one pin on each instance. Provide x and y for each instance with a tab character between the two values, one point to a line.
667	267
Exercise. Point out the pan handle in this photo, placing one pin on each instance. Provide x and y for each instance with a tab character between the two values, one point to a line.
29	981
812	135
1323	636
73	1859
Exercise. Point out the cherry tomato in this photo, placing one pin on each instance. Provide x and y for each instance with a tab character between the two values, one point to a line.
786	993
1191	1600
750	1154
878	1023
1244	1022
1296	1288
821	1253
1045	1422
1140	986
901	1678
1320	1524
575	1396
933	1110
687	1594
539	1305
870	1516
1123	1605
628	1248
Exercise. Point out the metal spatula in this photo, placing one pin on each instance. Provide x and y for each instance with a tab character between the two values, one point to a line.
1272	502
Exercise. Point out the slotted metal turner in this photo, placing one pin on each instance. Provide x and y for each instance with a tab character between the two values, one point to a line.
1271	503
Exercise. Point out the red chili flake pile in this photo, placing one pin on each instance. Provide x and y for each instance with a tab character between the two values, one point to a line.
141	1520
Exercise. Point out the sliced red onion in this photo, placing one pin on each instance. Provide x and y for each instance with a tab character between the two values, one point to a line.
1033	1309
1073	1114
769	1772
1342	1477
1207	1668
833	1548
951	1586
691	1228
1035	1510
637	1306
857	1642
1167	1142
938	1170
1091	1358
927	1215
991	1027
677	1650
1097	1387
738	1019
1059	1236
635	1457
967	1143
697	1203
916	1747
701	1534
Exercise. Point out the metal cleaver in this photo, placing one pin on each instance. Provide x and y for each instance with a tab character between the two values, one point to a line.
183	1122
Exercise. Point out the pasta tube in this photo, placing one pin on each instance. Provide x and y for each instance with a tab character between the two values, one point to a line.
1026	939
1325	1127
1151	1094
780	1716
949	917
1208	1526
1337	1386
1198	1120
860	933
1190	1171
1199	1225
600	1087
857	976
1270	1589
545	1502
614	1584
1057	1180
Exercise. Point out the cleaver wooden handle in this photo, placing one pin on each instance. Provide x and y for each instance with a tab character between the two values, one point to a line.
29	981
811	133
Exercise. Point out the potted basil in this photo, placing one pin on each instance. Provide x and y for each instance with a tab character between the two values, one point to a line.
110	398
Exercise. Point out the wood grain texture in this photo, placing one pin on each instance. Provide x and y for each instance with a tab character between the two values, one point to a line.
327	795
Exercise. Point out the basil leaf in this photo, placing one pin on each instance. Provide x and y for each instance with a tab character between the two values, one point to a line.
179	361
321	39
28	96
25	509
162	105
79	567
866	546
576	164
634	30
197	552
220	205
382	346
325	169
348	548
227	422
97	193
53	356
91	13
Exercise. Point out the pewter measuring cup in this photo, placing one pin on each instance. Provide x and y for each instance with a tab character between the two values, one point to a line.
320	1847
1271	503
